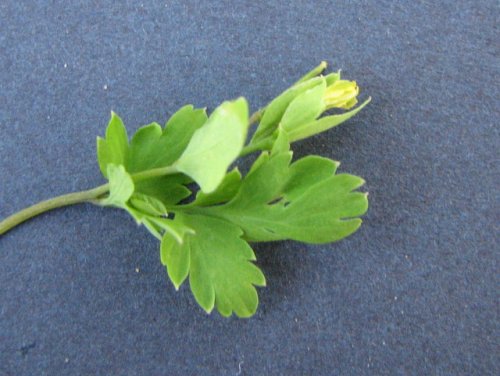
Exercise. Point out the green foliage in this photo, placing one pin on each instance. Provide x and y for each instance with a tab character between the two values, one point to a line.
305	107
215	145
275	110
121	186
219	265
152	147
114	147
313	127
205	235
226	190
303	201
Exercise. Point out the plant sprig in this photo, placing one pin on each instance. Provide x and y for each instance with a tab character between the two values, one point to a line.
205	233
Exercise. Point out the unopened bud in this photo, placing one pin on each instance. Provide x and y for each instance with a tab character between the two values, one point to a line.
341	94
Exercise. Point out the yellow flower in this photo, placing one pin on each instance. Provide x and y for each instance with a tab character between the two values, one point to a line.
341	94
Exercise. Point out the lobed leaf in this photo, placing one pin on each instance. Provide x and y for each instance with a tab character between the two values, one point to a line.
303	201
216	145
176	257
152	147
206	239
306	172
113	148
219	265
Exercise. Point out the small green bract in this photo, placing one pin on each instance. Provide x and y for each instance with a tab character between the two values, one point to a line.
205	235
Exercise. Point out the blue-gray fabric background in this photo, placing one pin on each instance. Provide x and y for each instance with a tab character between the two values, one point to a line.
415	291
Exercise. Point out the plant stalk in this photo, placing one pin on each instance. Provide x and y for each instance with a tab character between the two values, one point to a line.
53	203
256	116
92	195
89	196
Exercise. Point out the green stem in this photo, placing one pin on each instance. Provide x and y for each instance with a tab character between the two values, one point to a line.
88	196
93	195
155	172
265	144
255	117
53	203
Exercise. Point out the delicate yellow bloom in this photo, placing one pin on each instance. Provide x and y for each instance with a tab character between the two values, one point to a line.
341	94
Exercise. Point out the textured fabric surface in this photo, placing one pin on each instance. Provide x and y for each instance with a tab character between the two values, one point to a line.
414	291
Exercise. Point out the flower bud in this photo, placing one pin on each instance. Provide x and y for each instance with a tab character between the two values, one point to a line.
341	94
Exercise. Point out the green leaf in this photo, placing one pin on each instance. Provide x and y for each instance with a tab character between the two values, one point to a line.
152	214
121	186
142	218
275	110
145	148
151	147
332	78
206	239
221	273
216	145
176	257
304	108
303	201
313	73
226	190
262	184
305	173
113	148
180	129
311	128
324	213
262	158
281	144
174	227
168	189
148	205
